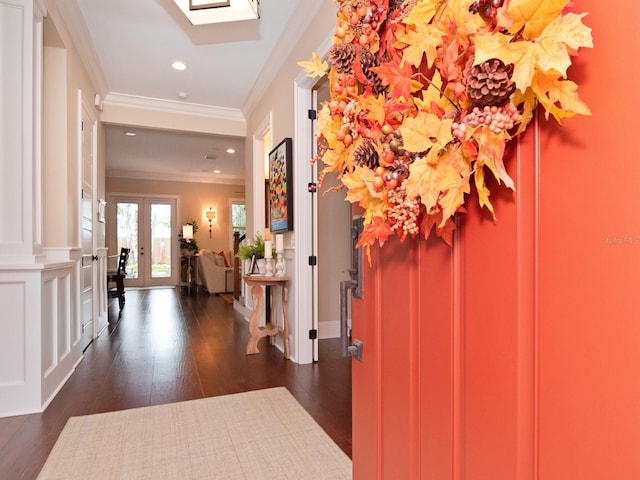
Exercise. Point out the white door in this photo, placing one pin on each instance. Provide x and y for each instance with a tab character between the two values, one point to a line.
87	212
146	225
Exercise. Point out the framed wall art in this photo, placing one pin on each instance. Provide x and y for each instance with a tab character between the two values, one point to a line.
281	187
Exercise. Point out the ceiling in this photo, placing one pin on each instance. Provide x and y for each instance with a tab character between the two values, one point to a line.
135	43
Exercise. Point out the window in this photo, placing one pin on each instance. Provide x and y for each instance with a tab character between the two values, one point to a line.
238	218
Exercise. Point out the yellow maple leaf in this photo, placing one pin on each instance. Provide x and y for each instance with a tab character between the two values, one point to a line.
454	183
422	13
551	51
532	16
559	97
315	67
483	191
339	158
375	105
423	181
491	153
328	126
419	134
433	95
360	190
529	102
457	13
423	40
356	183
433	92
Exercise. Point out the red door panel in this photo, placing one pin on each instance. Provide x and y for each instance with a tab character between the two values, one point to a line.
516	354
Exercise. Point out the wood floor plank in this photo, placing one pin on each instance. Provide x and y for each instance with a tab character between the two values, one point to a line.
166	346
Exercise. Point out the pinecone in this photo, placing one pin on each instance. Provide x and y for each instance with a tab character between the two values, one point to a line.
366	155
341	56
488	83
368	60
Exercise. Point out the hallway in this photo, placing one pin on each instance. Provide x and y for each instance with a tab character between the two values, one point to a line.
169	347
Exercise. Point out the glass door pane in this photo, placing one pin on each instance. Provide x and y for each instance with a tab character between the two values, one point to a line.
127	235
161	240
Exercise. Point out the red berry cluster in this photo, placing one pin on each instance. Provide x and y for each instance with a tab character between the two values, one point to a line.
497	119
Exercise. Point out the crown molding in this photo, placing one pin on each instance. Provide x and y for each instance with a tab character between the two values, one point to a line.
173	106
304	14
219	179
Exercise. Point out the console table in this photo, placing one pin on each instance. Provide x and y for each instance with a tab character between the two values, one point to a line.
256	282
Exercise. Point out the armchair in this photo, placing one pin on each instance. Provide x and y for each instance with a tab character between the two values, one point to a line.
213	268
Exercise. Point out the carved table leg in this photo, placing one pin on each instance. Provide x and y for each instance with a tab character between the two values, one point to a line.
285	317
256	332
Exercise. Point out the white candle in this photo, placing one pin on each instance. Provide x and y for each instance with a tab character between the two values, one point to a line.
268	249
279	243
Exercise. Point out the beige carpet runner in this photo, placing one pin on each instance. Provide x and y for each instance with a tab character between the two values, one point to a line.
264	434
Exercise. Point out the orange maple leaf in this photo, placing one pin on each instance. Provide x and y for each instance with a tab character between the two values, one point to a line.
378	229
445	232
398	78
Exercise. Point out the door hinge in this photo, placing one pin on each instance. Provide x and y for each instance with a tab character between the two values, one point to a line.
313	260
313	334
312	114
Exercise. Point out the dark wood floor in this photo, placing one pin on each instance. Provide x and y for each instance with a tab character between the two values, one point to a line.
167	347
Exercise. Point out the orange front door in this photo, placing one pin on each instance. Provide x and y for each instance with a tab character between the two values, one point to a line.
516	353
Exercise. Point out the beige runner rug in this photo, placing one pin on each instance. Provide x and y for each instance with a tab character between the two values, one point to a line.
264	434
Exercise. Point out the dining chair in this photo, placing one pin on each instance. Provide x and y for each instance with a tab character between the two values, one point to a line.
115	277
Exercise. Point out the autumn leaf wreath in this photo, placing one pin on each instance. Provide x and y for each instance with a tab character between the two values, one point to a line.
425	94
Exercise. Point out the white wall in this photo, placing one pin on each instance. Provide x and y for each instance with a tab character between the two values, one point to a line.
315	21
39	259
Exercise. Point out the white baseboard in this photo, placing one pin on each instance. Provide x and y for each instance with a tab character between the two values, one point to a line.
329	329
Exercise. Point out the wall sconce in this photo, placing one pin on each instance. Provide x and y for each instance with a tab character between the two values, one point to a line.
187	232
211	216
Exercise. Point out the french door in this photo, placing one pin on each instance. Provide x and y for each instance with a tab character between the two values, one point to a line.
146	225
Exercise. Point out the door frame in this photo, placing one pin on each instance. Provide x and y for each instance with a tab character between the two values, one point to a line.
112	200
306	277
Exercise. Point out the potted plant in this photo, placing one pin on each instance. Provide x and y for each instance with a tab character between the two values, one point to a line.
246	251
253	248
189	246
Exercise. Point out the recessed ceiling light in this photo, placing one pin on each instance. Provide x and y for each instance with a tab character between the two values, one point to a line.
216	171
210	156
178	65
130	134
182	95
230	150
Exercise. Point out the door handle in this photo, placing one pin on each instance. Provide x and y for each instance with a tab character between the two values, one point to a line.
94	258
354	350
